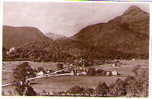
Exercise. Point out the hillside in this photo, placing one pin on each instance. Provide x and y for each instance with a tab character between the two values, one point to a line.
124	35
17	36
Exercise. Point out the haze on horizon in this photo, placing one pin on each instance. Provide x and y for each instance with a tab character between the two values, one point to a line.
62	18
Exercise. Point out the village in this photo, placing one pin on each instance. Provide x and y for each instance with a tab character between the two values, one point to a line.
77	70
79	67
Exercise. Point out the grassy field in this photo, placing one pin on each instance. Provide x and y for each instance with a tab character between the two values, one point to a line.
56	84
62	83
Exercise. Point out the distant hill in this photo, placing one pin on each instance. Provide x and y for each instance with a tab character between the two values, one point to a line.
55	36
124	35
17	36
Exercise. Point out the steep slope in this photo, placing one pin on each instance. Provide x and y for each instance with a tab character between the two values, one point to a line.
137	20
17	36
127	34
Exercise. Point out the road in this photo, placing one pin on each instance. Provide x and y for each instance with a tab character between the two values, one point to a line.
43	76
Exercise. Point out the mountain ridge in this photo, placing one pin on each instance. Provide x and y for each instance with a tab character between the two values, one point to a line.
119	34
118	38
17	36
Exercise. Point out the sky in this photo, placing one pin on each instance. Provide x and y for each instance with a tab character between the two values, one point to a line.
62	18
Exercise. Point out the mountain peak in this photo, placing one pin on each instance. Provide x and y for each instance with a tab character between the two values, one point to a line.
133	7
133	10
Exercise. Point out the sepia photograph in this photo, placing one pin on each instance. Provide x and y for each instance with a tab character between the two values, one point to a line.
75	49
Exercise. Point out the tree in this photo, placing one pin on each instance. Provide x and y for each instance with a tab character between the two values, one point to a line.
137	86
102	89
60	66
118	88
21	73
30	91
135	70
40	69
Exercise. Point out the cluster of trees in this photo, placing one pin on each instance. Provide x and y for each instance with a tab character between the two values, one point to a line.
35	54
57	52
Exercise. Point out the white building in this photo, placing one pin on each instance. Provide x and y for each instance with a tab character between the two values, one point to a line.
108	73
40	73
133	59
11	50
114	73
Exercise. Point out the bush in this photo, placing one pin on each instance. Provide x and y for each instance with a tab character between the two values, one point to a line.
91	72
102	89
76	90
137	86
60	66
118	88
30	91
40	69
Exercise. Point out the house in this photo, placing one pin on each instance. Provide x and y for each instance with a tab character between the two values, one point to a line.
114	73
11	50
116	65
133	59
47	71
108	73
40	73
113	65
20	83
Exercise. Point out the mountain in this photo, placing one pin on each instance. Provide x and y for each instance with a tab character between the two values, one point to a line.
125	35
18	36
54	36
137	20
